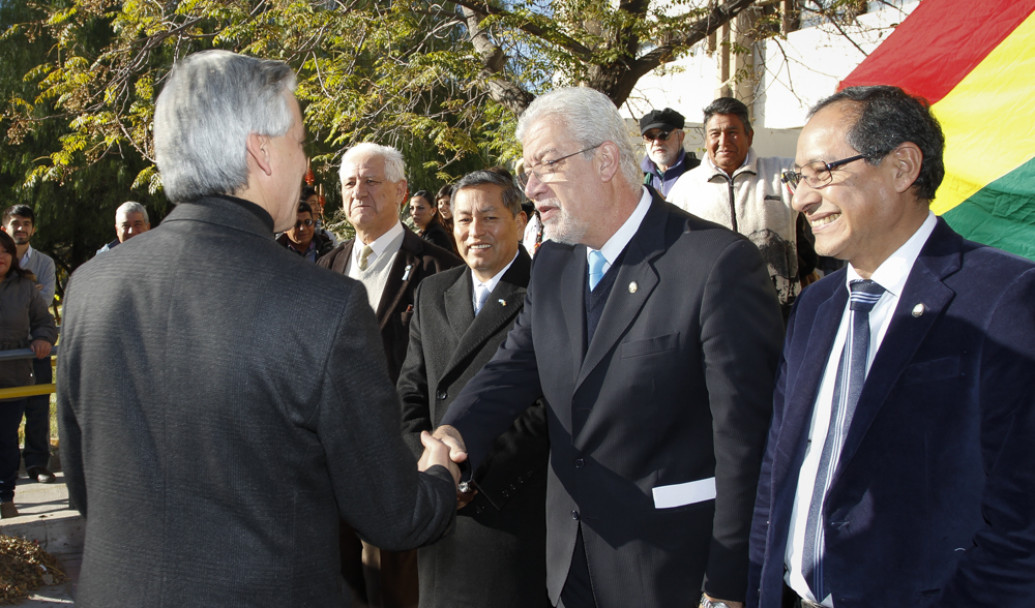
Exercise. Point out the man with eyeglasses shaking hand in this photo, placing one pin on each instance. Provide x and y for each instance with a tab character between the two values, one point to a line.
654	338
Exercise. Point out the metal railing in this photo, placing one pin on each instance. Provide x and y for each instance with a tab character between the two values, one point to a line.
31	390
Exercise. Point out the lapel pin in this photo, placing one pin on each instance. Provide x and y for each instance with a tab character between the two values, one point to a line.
919	310
502	302
406	272
633	287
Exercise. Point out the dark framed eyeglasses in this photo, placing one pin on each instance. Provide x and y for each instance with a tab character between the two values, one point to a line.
307	223
544	169
817	174
660	136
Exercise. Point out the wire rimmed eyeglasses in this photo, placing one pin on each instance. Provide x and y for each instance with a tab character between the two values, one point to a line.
817	174
546	167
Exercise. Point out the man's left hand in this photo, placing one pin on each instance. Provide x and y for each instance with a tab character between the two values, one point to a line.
41	348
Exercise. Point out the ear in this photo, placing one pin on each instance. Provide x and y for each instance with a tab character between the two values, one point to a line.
905	161
256	146
403	190
608	157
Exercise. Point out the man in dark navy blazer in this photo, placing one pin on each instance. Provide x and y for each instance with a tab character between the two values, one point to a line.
930	498
657	369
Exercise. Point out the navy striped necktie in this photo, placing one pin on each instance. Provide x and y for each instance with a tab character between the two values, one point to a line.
851	374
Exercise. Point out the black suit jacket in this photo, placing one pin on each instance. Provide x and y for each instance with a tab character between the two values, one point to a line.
416	260
674	388
211	438
499	539
933	499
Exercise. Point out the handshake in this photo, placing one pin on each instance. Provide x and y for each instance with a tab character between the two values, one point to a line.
445	447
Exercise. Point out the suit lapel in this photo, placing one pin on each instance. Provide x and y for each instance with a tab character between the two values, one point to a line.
404	267
458	302
636	280
503	304
800	396
573	304
925	286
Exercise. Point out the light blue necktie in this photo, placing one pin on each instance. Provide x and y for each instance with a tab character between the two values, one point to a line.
596	268
847	387
481	294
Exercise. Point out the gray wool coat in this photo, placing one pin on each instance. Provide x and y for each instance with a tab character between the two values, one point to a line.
222	403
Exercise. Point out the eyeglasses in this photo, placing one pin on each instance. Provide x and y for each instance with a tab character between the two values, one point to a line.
817	174
300	223
660	136
546	168
369	183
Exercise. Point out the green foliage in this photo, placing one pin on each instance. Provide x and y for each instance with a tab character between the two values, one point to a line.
441	81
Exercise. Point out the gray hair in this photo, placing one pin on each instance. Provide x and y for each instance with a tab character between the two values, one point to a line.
589	118
211	103
131	207
511	194
887	116
395	166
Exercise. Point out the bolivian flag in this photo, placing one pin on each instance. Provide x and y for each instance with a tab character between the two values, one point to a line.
974	61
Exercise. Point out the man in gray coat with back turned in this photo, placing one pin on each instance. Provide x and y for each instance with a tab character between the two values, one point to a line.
212	465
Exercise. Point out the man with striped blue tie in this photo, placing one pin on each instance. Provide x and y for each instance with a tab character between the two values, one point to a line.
900	468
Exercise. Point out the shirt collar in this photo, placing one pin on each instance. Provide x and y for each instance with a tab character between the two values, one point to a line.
614	245
25	258
893	272
495	280
380	244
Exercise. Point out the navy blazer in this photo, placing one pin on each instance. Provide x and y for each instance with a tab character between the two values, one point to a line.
933	500
675	387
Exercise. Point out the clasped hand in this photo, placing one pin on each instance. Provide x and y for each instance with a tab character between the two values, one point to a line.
445	448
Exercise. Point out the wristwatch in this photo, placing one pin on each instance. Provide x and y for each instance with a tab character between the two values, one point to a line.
708	603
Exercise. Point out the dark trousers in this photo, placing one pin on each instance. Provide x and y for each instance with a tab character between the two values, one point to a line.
578	587
10	417
37	418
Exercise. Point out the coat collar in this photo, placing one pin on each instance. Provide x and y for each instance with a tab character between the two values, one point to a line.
229	211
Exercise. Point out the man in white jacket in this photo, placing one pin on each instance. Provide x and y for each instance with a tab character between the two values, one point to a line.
734	187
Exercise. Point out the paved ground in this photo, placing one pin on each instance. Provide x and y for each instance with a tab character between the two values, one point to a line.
46	518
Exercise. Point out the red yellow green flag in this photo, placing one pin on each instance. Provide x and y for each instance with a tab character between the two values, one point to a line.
974	61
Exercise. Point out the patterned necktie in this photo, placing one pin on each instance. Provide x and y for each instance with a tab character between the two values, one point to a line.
596	268
363	255
851	373
481	293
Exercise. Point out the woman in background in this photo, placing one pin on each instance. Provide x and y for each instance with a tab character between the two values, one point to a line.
24	322
425	218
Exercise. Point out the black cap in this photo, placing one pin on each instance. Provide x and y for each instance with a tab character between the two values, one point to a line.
661	119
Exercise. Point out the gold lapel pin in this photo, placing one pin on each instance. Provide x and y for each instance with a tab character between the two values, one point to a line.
633	287
502	302
918	310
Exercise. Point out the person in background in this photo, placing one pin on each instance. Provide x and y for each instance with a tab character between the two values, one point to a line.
445	212
24	322
737	189
424	214
391	261
302	237
19	221
666	160
462	316
130	220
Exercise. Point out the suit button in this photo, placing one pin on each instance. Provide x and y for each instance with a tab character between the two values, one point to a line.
579	463
441	395
575	515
